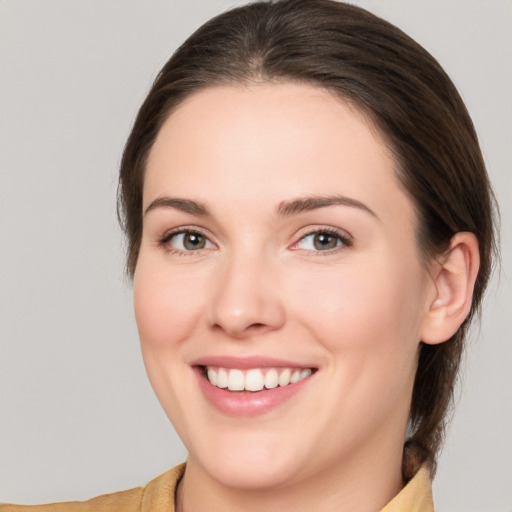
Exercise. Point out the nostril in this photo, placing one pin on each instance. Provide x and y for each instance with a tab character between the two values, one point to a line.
255	328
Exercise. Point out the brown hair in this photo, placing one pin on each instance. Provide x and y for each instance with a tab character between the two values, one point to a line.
374	65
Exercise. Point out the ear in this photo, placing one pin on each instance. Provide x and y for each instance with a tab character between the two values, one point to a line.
454	280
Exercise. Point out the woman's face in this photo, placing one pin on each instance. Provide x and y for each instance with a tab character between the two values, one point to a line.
279	245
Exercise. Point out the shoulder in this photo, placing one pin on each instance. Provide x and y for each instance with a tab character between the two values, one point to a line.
156	495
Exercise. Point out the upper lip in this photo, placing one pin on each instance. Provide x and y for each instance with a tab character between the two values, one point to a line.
246	363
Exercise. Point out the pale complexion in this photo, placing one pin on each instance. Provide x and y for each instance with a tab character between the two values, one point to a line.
253	173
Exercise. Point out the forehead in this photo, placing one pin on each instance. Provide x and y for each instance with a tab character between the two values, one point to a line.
269	142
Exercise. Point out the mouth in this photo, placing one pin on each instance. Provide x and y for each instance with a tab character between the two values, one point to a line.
254	379
253	386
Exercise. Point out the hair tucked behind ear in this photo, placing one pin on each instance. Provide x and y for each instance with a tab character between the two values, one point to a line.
401	87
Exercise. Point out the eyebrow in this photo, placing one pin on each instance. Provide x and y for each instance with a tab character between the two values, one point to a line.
285	208
184	205
304	204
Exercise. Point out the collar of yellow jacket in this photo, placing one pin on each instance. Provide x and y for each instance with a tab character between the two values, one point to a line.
416	496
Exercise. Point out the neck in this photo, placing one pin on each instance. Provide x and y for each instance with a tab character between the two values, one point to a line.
366	486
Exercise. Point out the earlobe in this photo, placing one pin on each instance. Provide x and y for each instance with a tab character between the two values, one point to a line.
454	281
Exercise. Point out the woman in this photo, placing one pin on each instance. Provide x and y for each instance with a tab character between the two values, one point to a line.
310	230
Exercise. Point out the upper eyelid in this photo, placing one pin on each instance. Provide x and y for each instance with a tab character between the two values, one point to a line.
186	229
345	239
324	229
302	233
164	239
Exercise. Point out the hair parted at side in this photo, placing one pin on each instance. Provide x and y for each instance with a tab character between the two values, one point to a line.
404	91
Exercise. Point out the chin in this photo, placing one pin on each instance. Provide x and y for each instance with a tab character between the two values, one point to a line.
251	475
250	462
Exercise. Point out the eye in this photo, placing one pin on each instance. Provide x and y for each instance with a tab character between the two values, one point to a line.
187	241
322	240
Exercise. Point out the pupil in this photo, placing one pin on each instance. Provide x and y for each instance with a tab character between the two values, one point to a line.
193	241
324	241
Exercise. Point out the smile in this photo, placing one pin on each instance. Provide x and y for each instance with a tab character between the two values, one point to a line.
251	386
254	379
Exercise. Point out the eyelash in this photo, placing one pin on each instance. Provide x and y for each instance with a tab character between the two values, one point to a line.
166	239
345	241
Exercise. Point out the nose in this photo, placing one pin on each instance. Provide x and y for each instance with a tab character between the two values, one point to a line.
246	298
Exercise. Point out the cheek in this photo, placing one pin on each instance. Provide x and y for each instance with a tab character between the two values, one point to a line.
167	304
366	317
370	311
167	308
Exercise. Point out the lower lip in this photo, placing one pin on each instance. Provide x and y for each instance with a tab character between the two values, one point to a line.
247	403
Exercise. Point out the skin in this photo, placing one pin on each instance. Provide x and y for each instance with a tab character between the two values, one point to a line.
258	286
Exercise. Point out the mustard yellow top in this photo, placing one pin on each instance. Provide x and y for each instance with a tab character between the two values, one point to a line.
158	495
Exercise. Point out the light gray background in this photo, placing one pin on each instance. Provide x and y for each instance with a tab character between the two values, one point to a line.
78	417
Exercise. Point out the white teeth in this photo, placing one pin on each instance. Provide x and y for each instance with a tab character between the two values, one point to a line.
284	377
236	380
212	376
271	379
222	378
255	379
304	374
295	376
